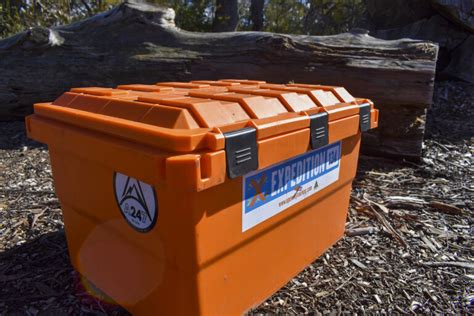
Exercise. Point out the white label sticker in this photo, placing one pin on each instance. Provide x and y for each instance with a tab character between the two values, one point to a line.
272	190
137	202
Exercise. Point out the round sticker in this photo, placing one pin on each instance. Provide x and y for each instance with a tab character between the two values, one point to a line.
137	202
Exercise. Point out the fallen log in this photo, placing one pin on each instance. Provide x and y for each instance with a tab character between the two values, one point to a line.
140	43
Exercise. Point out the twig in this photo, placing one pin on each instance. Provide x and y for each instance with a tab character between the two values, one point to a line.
459	264
24	298
9	278
17	198
380	206
405	202
19	223
445	208
344	283
384	222
36	216
361	231
416	203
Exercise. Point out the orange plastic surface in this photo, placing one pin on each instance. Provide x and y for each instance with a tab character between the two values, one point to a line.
256	106
196	260
178	118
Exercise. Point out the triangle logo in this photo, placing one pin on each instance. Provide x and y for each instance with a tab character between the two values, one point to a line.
137	201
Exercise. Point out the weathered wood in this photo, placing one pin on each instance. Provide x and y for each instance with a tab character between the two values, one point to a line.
140	43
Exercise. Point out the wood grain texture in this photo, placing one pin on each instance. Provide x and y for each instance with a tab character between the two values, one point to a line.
139	43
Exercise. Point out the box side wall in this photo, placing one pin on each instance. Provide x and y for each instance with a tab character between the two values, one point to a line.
144	272
239	269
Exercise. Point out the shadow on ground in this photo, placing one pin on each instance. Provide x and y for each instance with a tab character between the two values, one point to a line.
38	274
13	136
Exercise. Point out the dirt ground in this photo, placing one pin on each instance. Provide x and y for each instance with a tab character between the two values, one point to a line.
408	246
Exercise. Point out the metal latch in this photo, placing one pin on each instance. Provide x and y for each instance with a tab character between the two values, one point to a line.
318	125
364	116
241	151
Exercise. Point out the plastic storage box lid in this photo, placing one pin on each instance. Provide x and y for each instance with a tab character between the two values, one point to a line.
208	116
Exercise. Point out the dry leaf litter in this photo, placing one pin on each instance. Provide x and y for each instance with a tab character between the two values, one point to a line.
408	246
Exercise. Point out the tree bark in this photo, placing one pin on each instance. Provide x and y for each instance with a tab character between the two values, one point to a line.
139	43
256	14
226	16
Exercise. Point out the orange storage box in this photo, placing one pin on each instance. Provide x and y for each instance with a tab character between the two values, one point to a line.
203	197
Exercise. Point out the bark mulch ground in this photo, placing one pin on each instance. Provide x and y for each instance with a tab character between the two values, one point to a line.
408	246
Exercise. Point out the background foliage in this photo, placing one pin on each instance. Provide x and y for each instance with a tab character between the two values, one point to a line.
318	17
